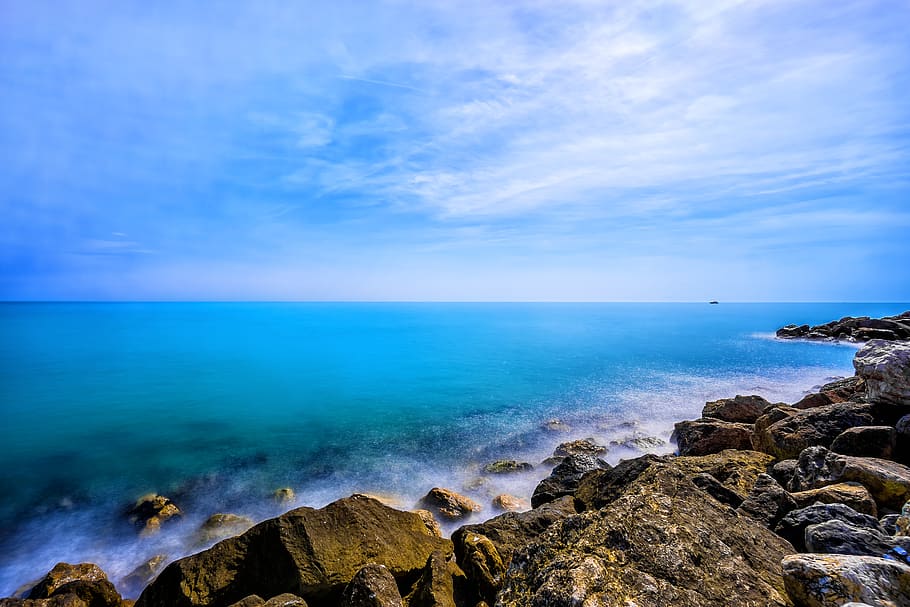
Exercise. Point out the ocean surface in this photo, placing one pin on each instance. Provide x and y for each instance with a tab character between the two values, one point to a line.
217	405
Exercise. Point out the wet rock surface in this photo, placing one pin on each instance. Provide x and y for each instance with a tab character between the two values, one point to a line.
448	504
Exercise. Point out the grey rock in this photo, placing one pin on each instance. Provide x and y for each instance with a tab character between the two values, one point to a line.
830	580
839	537
866	441
372	586
565	478
885	366
793	526
768	502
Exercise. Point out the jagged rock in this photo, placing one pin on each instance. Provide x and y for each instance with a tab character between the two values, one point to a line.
639	443
482	564
866	441
430	521
63	574
139	578
439	584
448	504
310	553
150	511
786	438
507	466
885	366
285	600
768	502
848	388
889	523
82	585
791	331
510	503
830	580
853	495
782	471
284	495
372	586
600	487
902	440
818	399
742	409
736	470
659	543
512	530
705	436
887	481
840	537
584	446
715	489
793	526
222	525
565	477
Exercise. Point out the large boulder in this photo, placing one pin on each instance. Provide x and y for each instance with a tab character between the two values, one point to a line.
887	481
310	553
741	409
853	495
448	504
841	537
793	526
564	478
661	542
82	585
885	366
831	580
705	436
866	441
735	469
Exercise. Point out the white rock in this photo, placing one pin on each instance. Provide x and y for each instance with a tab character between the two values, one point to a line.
885	365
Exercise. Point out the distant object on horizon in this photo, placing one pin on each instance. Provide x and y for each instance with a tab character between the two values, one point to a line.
712	301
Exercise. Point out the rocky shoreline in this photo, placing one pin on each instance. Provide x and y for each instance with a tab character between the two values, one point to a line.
802	504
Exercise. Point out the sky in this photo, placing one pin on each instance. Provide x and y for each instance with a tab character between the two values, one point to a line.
456	151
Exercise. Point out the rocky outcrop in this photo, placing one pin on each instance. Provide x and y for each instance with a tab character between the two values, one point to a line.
448	504
850	328
705	436
309	553
885	367
372	586
564	478
740	409
831	580
150	511
659	541
887	481
866	441
793	526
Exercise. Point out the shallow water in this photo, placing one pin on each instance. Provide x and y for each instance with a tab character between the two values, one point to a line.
216	405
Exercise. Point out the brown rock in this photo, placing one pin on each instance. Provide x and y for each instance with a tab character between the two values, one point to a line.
866	441
584	446
140	577
510	503
705	436
448	504
741	409
482	565
851	494
786	438
62	574
831	580
150	511
768	502
818	399
222	525
439	584
430	521
372	586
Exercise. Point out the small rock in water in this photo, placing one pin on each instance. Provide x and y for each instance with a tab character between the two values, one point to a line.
510	503
222	525
150	511
67	585
507	466
557	425
284	495
449	504
584	446
142	575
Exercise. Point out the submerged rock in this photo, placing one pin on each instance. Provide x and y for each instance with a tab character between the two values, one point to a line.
139	578
448	504
222	525
310	553
885	366
507	466
284	495
584	446
150	511
831	580
510	503
705	436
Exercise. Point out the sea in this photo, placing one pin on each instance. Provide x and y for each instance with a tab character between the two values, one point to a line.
217	405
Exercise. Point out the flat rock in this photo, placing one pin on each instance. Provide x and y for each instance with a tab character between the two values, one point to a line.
705	436
661	542
866	441
853	495
741	409
564	478
372	586
448	504
830	580
310	553
885	367
887	481
793	526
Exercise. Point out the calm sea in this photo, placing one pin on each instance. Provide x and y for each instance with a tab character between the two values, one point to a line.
217	405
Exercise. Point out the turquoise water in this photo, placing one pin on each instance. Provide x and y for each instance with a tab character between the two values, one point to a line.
216	405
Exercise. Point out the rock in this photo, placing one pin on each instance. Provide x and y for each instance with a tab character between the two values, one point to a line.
448	504
565	477
220	526
372	586
639	443
853	495
251	601
736	470
782	471
600	487
285	600
139	578
869	334
830	580
866	441
742	409
768	502
510	503
902	524
889	523
792	331
556	425
818	399
848	388
659	543
786	438
839	537
429	521
63	574
793	526
82	585
585	446
885	366
513	530
150	511
507	466
715	489
284	495
310	553
439	584
705	436
887	481
482	565
902	440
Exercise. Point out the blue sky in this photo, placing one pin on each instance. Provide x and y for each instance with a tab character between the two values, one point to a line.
637	151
